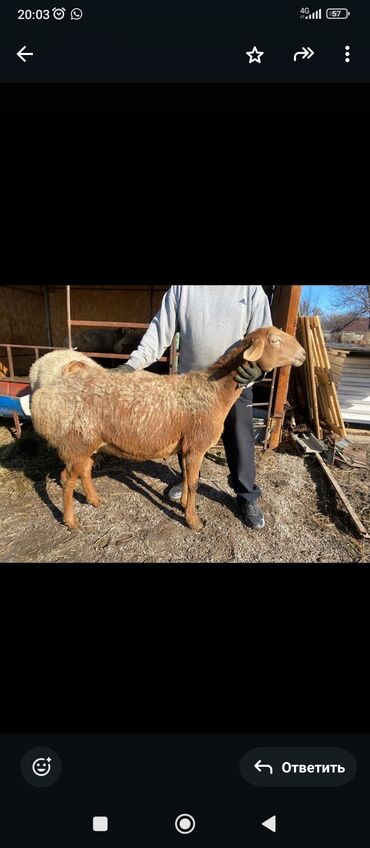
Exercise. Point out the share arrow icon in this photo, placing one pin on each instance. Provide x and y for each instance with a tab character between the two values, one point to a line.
306	53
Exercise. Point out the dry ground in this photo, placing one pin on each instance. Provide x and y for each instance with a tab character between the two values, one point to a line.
137	523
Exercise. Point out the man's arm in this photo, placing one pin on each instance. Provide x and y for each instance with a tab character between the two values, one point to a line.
260	316
260	312
159	334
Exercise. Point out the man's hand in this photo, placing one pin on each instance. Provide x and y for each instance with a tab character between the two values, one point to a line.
124	369
248	373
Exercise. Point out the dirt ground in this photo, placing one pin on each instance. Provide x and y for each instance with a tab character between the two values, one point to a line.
305	522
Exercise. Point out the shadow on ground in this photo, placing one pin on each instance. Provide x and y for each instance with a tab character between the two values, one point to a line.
40	464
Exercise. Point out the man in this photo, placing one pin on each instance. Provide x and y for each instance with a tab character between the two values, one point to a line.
211	320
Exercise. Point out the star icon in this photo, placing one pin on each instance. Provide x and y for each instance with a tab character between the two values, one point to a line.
254	55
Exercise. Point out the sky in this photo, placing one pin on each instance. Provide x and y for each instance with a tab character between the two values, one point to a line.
322	293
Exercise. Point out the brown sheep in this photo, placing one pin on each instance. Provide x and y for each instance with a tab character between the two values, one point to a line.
142	416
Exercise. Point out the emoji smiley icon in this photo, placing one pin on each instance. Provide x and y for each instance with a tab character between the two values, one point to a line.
42	766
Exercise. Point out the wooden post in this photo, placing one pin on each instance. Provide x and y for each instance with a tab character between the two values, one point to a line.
287	317
69	316
269	421
360	527
47	315
10	362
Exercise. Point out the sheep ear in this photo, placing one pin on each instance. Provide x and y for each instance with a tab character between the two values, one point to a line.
72	367
255	351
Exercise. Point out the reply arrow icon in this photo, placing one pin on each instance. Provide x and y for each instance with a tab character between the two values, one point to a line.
22	54
306	53
260	765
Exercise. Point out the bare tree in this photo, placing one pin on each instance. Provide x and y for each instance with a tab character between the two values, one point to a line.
310	304
336	320
354	299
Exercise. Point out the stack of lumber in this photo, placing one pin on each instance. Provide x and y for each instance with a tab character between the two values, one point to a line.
337	359
324	405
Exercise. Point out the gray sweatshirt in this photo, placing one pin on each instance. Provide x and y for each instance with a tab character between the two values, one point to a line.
211	320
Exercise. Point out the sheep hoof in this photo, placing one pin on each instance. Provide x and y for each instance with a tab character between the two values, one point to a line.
196	524
96	502
73	526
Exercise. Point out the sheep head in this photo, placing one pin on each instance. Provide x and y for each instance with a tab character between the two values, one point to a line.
272	348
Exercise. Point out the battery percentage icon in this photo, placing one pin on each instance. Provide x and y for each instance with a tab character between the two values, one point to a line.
337	14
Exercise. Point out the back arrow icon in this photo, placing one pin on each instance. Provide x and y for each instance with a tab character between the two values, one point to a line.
22	54
306	53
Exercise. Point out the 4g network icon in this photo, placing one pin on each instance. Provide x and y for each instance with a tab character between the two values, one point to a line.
332	14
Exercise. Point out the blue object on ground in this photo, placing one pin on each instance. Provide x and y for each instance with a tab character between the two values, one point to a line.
9	404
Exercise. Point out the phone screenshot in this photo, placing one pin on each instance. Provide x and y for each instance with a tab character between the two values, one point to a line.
184	424
104	390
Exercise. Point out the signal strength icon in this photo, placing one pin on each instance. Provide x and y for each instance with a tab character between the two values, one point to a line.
313	16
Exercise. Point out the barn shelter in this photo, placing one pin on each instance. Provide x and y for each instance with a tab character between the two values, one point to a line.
37	318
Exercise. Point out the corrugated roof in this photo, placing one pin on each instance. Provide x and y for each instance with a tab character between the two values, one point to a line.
352	348
354	390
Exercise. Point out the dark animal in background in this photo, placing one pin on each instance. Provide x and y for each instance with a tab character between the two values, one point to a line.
107	341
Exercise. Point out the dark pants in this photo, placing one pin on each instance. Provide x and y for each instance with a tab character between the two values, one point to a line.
238	439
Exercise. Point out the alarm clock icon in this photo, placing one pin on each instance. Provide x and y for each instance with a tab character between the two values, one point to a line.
58	13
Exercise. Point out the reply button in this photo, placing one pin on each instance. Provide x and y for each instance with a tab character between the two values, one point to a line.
305	767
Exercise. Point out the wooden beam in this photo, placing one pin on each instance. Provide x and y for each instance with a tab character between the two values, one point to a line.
69	333
286	308
360	527
47	315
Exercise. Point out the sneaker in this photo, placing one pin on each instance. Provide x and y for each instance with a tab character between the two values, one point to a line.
175	494
251	513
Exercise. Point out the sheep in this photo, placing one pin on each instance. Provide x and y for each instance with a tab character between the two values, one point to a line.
142	416
50	367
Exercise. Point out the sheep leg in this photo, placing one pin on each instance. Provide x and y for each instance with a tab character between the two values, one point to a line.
68	480
185	490
193	464
91	494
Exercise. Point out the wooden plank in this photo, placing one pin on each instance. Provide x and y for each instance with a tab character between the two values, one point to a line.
330	389
336	369
324	405
321	342
360	527
311	366
306	368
